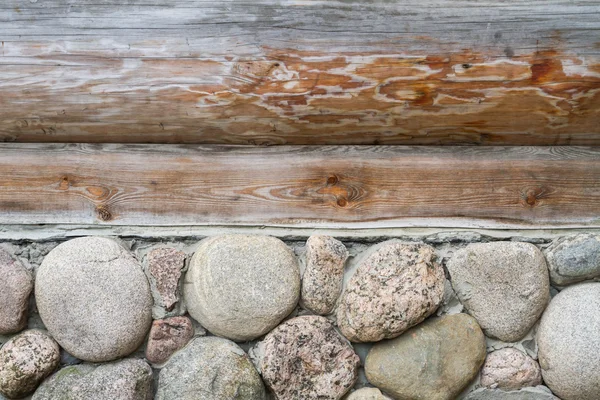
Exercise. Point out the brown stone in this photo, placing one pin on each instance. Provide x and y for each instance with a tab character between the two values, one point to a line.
16	284
434	360
510	369
165	265
167	336
324	273
306	358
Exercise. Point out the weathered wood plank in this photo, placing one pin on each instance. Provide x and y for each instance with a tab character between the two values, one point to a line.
301	71
301	186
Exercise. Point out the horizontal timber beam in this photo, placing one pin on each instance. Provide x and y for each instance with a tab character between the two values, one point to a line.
300	186
493	72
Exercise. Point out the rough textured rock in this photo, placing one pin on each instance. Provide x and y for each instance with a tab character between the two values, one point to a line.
504	285
16	284
306	358
165	265
435	360
241	286
367	394
396	286
530	393
94	298
210	368
574	259
324	273
167	336
127	379
25	360
568	339
510	369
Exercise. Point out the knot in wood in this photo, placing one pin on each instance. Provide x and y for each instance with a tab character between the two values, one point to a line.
103	213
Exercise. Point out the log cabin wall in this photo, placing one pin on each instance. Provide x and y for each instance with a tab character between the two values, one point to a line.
519	72
219	200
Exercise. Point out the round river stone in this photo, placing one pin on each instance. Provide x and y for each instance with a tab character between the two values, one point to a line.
94	298
210	368
397	285
16	284
574	258
306	358
510	369
25	360
435	360
127	379
568	339
241	286
504	285
324	273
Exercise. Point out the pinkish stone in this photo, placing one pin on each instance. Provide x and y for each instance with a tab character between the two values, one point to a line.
396	286
16	284
167	336
25	360
510	369
165	266
306	358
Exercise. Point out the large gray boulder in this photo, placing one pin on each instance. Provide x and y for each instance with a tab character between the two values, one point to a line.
16	284
568	340
573	259
504	285
306	358
324	273
397	285
210	368
435	360
94	298
127	379
25	360
241	286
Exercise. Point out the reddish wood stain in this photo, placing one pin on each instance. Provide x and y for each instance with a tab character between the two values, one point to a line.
294	97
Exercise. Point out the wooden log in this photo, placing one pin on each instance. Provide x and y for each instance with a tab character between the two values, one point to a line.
524	72
300	186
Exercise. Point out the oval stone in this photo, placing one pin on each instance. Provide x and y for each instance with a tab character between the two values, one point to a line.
435	360
306	358
574	258
397	285
510	369
128	379
25	360
504	285
568	340
94	298
324	273
16	284
241	286
210	368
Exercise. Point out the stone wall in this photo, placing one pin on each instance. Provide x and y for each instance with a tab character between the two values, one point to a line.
436	316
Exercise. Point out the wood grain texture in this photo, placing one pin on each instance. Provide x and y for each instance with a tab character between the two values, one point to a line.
300	186
524	72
